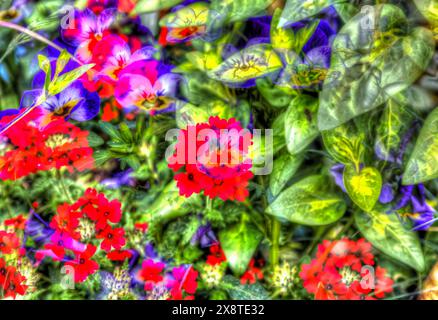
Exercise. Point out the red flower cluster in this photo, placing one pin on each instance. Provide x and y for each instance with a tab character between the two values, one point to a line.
216	256
182	283
29	149
253	273
151	273
11	281
9	242
17	223
213	158
89	219
343	270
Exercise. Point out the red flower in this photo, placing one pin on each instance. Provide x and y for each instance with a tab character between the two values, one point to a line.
338	272
109	211
12	283
9	242
251	274
142	226
66	220
216	256
310	273
83	265
112	238
33	149
19	222
183	283
330	285
3	271
192	181
119	255
383	284
150	273
213	157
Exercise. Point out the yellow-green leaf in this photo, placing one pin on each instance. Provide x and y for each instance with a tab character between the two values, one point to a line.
364	186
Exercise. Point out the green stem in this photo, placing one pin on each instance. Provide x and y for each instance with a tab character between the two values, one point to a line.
275	246
208	204
63	186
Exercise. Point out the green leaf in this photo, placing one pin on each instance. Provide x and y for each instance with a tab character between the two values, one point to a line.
145	6
94	140
363	187
238	291
371	63
190	114
278	97
252	62
170	204
284	168
67	79
308	202
344	143
239	244
346	10
44	64
61	62
126	133
195	14
429	9
199	89
111	130
300	123
396	120
423	163
101	156
278	129
387	233
229	11
296	10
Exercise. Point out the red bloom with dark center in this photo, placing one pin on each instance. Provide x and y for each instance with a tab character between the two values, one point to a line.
12	283
384	284
151	273
183	282
9	242
112	238
216	256
3	271
330	285
252	274
83	265
119	255
341	271
32	149
213	157
66	220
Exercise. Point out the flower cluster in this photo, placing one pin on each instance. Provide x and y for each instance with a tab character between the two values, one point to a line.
11	281
178	284
79	226
344	270
123	67
213	157
29	150
13	263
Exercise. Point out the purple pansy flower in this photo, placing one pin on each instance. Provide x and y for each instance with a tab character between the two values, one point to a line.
386	194
205	236
73	102
422	213
123	178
